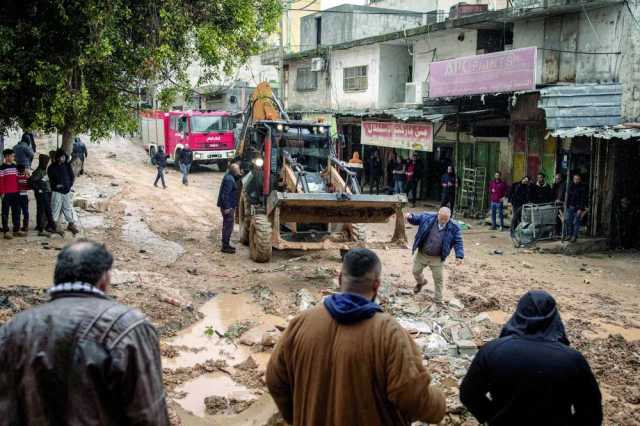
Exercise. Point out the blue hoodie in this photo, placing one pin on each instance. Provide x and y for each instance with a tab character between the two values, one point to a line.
349	308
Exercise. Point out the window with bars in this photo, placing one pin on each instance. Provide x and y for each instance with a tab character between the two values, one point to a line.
306	80
355	78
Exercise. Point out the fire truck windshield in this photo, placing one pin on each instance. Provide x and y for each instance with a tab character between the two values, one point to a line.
210	123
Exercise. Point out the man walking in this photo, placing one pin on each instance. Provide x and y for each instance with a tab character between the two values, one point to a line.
437	235
160	160
185	160
78	155
10	194
39	182
497	192
375	172
576	207
227	202
81	358
61	179
24	152
346	363
530	375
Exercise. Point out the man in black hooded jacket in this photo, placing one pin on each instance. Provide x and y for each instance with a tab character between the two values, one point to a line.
530	375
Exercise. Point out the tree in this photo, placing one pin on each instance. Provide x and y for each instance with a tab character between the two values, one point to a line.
76	66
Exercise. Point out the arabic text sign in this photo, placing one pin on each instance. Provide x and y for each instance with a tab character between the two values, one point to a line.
508	71
417	137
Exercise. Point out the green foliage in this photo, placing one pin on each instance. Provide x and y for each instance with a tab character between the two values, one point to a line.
76	66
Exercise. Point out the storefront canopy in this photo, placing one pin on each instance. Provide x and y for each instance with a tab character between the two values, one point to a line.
617	132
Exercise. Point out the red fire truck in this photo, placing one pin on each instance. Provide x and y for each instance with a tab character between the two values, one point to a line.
209	134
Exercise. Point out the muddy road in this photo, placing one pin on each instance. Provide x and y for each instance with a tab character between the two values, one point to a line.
220	315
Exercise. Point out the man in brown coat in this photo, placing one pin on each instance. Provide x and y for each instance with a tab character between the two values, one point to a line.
346	363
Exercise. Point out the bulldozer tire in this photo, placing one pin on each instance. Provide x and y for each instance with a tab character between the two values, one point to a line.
244	220
359	232
260	239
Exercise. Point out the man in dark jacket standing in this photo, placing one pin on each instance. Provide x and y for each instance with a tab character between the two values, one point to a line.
61	179
576	207
374	172
541	192
39	182
437	235
227	202
530	375
78	155
160	160
81	358
185	160
24	152
346	363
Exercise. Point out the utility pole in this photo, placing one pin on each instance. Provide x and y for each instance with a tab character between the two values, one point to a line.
281	95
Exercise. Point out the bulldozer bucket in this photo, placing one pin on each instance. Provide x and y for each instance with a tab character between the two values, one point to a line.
339	208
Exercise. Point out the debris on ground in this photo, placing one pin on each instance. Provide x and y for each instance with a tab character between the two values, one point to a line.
238	328
247	364
304	300
223	405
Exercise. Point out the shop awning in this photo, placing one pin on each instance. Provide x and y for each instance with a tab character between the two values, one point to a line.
402	114
581	106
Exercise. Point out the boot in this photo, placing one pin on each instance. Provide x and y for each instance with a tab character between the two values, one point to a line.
44	234
59	231
73	229
7	236
25	228
19	234
228	249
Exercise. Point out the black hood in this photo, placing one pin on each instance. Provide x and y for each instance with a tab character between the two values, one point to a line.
536	316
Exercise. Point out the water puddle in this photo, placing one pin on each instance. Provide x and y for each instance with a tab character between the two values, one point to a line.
202	343
137	233
605	330
211	385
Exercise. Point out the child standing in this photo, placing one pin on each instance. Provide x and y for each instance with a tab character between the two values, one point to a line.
23	187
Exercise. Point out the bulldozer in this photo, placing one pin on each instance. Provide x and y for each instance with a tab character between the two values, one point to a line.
295	192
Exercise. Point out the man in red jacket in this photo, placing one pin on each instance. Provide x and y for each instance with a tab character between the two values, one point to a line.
10	195
497	191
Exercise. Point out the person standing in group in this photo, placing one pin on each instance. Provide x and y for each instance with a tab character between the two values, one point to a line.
227	202
23	187
530	375
81	358
437	235
391	164
519	195
541	192
61	178
39	182
79	155
399	175
24	152
375	173
185	161
10	194
344	362
414	174
449	183
576	207
160	160
497	192
32	140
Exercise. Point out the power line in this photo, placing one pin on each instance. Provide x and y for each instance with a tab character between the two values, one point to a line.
579	52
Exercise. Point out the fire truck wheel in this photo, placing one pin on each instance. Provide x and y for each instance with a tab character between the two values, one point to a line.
260	239
244	220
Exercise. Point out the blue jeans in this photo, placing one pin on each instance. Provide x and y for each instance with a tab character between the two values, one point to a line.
572	222
184	169
500	208
398	185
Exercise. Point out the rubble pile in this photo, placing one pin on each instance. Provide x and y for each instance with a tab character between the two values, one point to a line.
18	298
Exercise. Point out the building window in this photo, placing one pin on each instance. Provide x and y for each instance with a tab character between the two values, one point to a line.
306	80
355	78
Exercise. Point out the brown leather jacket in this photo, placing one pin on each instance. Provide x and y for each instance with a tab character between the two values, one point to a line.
80	359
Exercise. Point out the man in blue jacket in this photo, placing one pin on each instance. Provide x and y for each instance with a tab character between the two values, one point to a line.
437	235
227	201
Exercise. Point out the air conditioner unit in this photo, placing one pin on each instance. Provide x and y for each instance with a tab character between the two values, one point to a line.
317	64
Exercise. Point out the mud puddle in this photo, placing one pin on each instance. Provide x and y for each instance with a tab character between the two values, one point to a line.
137	233
201	341
497	317
211	385
605	330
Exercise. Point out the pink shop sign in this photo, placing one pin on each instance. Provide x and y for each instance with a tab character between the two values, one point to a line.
414	137
508	71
